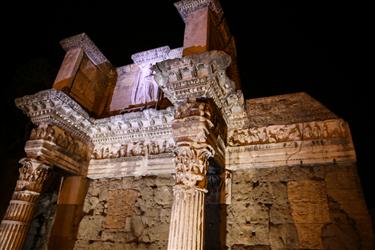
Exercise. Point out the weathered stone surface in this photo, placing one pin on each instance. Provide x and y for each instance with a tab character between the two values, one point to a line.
286	109
120	206
308	200
298	207
127	213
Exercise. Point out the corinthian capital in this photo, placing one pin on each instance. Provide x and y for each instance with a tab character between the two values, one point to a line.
192	165
33	175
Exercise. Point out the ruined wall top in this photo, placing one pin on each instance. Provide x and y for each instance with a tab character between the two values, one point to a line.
185	7
286	109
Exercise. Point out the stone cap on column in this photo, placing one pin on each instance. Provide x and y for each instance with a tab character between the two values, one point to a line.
83	41
185	7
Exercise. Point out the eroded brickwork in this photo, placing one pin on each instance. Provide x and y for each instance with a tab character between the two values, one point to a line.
127	213
301	207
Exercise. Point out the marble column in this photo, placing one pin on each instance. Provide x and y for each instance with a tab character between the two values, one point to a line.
192	130
16	222
187	218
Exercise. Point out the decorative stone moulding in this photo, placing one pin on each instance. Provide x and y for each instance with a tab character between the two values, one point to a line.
156	55
203	76
316	130
305	143
54	146
56	108
67	137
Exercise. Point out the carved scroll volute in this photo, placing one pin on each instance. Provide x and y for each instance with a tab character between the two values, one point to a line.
192	165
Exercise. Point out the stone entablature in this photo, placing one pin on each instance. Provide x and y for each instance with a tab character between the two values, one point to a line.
203	76
304	131
65	129
134	137
318	142
52	145
56	108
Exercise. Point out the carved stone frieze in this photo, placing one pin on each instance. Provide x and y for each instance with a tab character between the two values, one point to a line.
317	142
202	76
136	143
125	128
55	146
135	148
186	7
334	128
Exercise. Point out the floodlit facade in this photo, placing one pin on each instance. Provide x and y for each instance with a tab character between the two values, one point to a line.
165	153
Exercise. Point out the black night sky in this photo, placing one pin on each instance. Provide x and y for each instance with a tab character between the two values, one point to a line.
322	48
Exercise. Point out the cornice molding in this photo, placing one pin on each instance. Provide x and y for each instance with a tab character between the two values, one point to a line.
54	107
203	76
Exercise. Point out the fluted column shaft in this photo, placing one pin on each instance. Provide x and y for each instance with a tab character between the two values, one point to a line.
16	222
187	219
191	130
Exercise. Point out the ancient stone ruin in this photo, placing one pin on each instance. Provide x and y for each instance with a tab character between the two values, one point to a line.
165	153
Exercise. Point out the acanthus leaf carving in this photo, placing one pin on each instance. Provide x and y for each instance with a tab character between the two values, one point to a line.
33	175
192	165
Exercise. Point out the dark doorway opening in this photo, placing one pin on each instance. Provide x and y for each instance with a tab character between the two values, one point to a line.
215	210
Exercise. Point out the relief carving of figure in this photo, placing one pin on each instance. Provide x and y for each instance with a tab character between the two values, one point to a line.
137	149
123	151
153	148
145	89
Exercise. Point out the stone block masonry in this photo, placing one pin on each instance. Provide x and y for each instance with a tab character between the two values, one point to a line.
126	213
298	207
